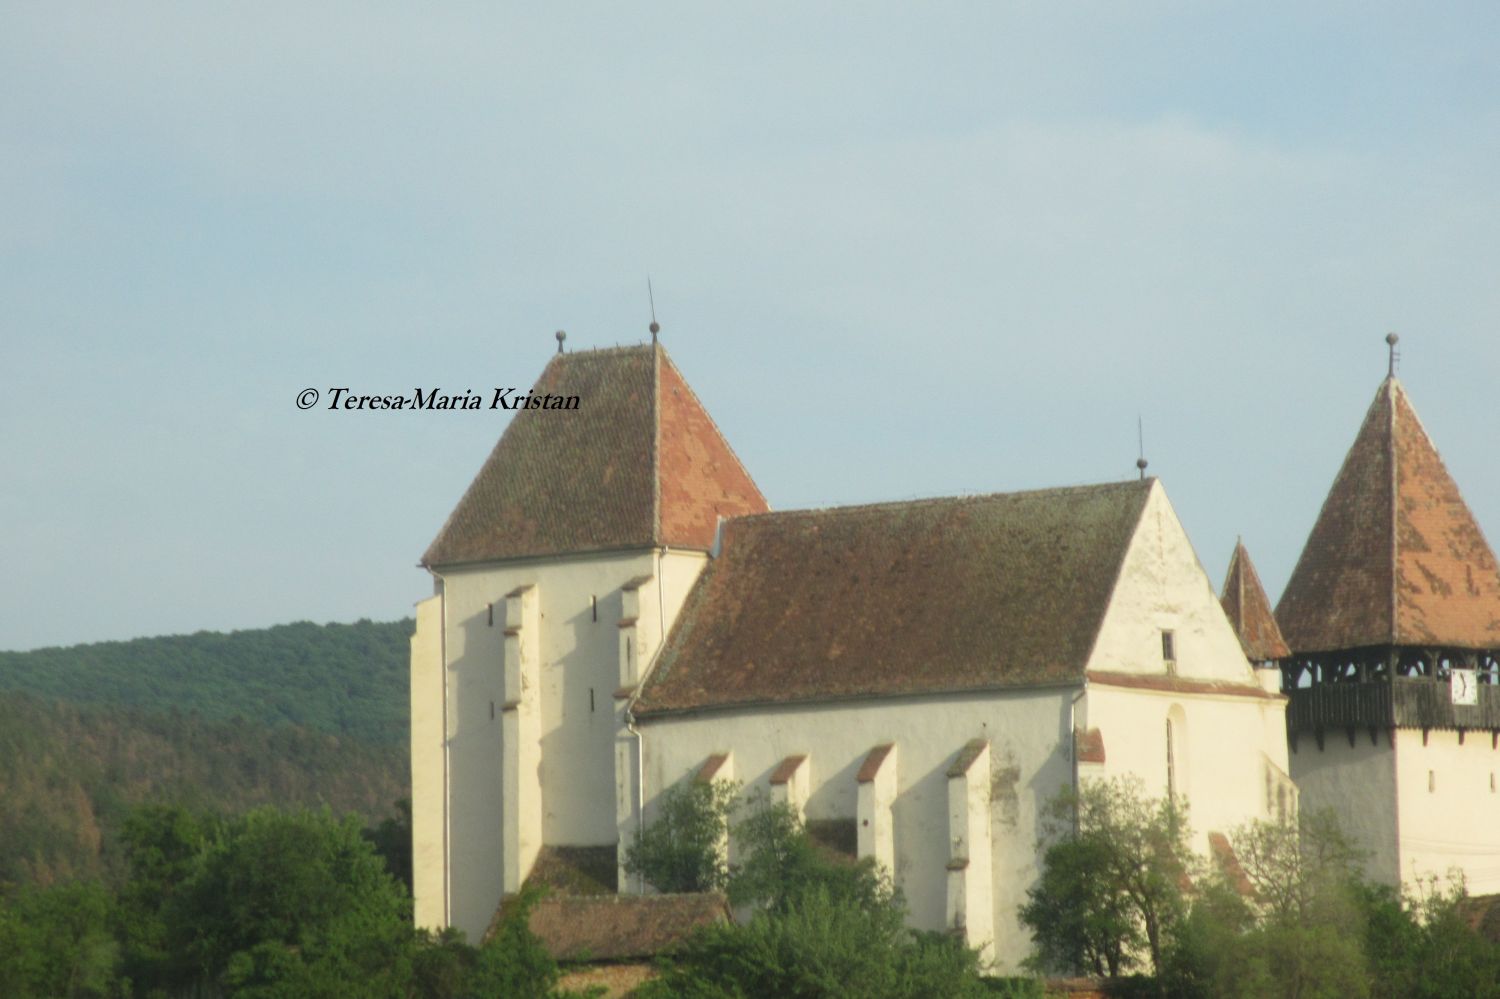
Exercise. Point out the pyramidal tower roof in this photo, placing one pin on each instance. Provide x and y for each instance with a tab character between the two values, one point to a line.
1395	557
1249	610
638	464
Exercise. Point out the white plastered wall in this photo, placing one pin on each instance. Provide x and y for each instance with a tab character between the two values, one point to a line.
1221	744
1456	824
429	849
1162	586
1358	783
1030	737
578	611
1222	740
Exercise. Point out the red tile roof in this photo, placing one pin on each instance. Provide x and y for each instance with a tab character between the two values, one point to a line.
899	598
621	927
870	768
1395	557
1088	745
709	772
1249	610
1179	684
786	769
638	464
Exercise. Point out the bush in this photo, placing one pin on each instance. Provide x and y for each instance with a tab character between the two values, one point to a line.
680	851
822	927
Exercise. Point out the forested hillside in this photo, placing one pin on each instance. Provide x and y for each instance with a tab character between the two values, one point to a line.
346	679
69	772
296	715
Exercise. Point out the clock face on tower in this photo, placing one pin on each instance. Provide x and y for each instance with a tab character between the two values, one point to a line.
1464	686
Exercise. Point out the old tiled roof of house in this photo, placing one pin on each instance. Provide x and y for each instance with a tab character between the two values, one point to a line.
899	598
621	927
1249	610
1395	557
638	464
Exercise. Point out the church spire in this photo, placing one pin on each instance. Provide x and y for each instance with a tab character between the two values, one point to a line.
1395	557
1249	610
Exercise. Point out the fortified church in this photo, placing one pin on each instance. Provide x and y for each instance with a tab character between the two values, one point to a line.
616	609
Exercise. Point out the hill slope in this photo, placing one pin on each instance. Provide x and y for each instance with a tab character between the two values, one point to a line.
296	715
345	679
68	773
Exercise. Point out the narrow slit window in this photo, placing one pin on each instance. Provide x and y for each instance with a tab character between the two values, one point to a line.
594	607
1171	764
492	615
1168	647
1432	780
591	700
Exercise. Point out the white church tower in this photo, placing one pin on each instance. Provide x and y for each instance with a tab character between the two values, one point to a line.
1393	618
556	577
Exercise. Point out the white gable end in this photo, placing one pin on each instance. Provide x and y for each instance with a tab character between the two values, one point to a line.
1162	588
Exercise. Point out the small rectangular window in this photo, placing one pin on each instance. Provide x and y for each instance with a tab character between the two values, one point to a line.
1432	780
1168	647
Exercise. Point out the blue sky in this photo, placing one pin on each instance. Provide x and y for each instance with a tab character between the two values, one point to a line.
898	250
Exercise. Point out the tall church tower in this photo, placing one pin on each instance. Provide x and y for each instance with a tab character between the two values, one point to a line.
1392	615
556	579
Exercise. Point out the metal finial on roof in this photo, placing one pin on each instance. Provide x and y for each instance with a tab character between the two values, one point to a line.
1140	442
1391	340
561	336
650	295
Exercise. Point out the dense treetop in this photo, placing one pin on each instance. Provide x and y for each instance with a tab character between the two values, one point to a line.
345	679
69	772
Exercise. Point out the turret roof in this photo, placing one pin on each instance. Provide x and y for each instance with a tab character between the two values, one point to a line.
1249	610
1395	557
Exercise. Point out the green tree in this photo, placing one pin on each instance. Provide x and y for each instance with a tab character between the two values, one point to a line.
1134	850
1422	947
822	926
1286	922
294	904
56	943
392	840
1081	923
780	864
679	851
163	848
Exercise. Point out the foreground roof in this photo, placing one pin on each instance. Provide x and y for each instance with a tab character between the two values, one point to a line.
1249	610
899	598
638	464
622	927
1395	557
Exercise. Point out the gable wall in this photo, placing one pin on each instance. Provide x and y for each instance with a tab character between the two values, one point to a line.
1162	585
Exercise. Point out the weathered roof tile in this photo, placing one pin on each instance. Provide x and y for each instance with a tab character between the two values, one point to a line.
899	598
1395	557
1249	610
621	927
639	463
